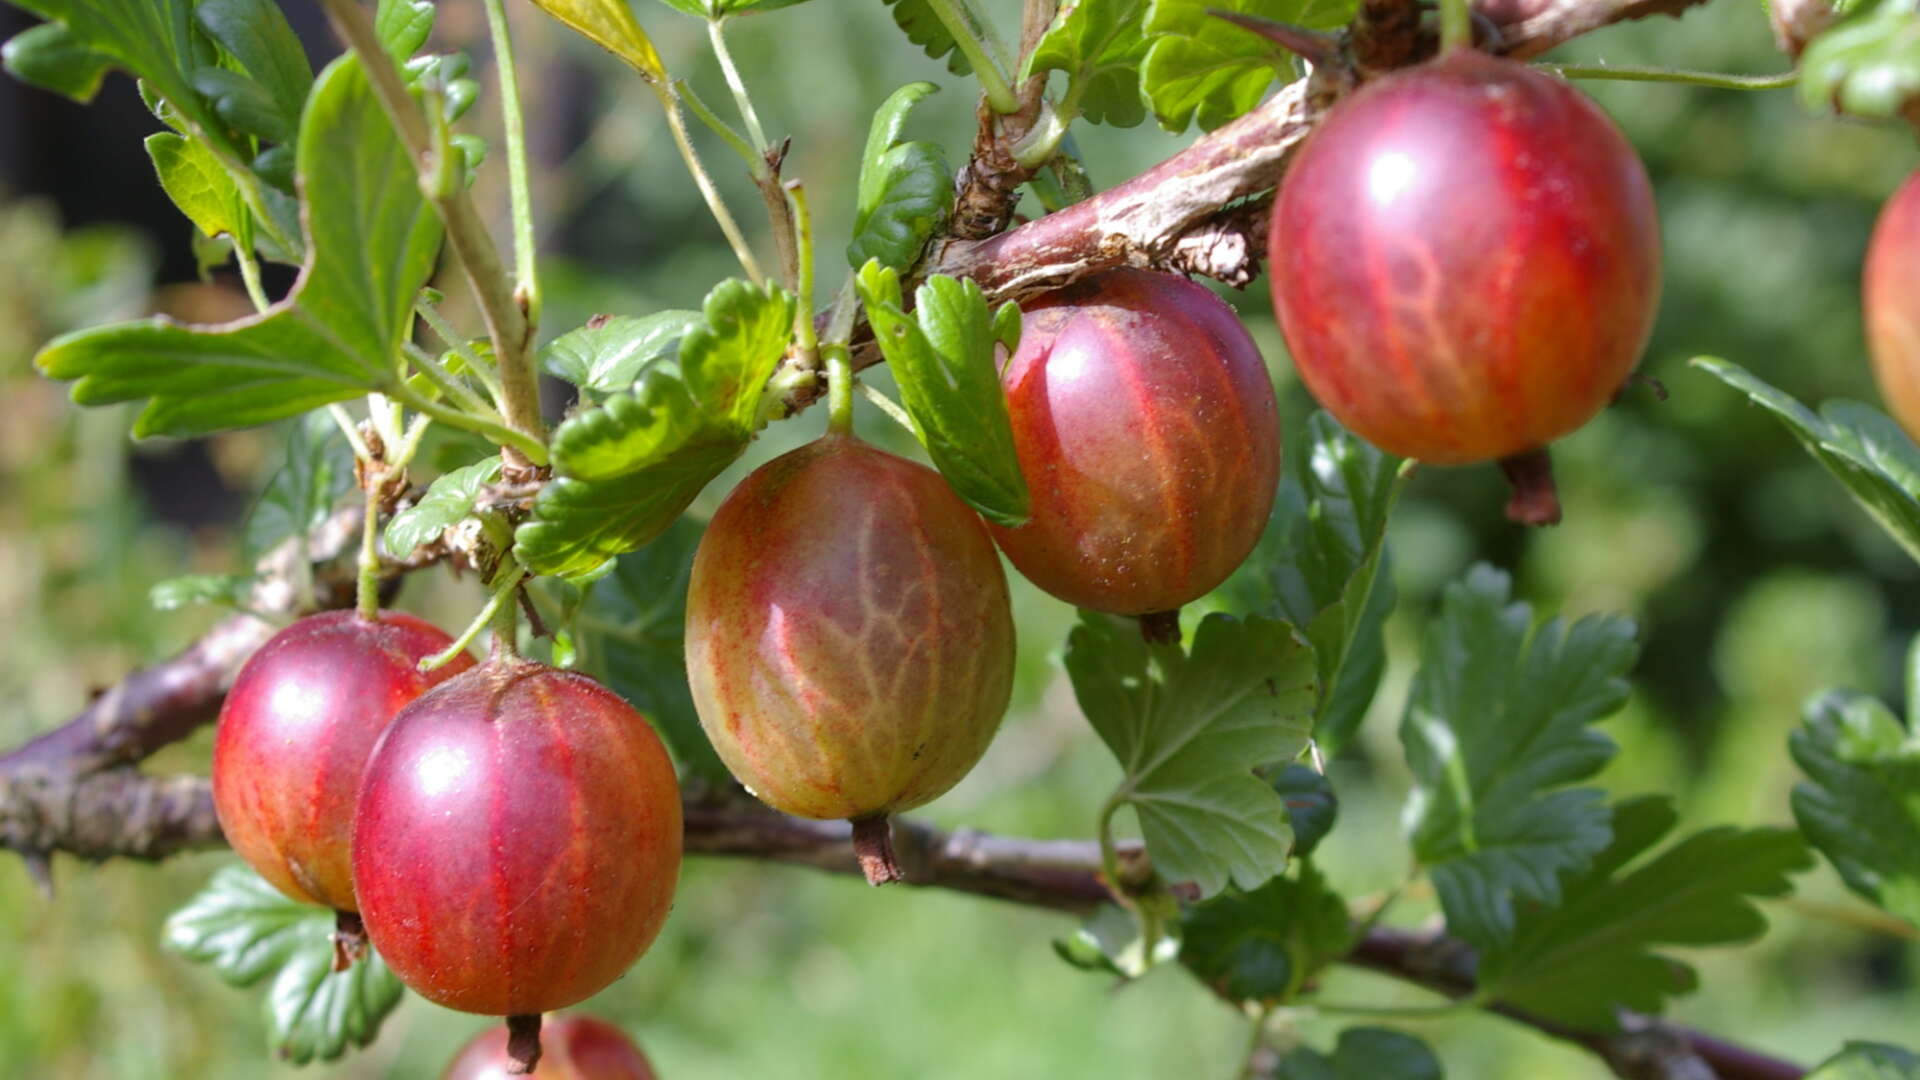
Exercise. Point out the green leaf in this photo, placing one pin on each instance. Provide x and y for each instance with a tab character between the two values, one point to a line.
245	930
1265	944
1189	729
631	635
906	188
1205	70
403	26
51	57
1868	65
1869	1061
318	470
447	502
258	36
610	24
1585	959
192	590
1496	720
1312	808
1862	447
716	9
624	470
1100	44
1319	565
943	357
1861	803
608	354
371	243
1110	941
244	104
198	184
1364	1053
916	18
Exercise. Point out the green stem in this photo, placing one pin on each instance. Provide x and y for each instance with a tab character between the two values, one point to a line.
887	405
456	392
504	583
1456	25
965	33
534	450
803	268
506	610
839	389
453	339
1038	145
250	276
677	124
351	430
1675	75
734	140
367	586
410	443
739	87
1109	852
1256	1040
519	186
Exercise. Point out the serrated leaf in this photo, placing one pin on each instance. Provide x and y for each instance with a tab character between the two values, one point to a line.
1583	960
1497	720
1265	944
447	502
1190	728
245	930
191	590
198	184
371	243
630	633
403	26
51	57
1203	70
906	188
1100	44
244	104
1862	447
1110	942
1321	563
1312	808
257	35
1861	803
916	19
610	24
1364	1053
317	471
624	470
1868	65
943	359
1869	1061
609	353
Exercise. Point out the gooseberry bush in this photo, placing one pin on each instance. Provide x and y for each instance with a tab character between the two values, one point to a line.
1464	257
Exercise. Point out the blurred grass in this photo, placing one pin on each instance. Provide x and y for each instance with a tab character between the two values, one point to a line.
1754	579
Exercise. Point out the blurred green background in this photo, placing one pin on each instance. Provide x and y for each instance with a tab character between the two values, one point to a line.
1756	583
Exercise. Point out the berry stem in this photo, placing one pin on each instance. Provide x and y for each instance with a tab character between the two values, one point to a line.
1534	501
1161	627
367	585
349	940
523	1043
873	846
839	389
1456	25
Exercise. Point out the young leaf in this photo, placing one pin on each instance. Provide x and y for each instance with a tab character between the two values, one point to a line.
944	363
1862	447
1364	1053
1265	944
1205	70
244	104
1100	45
1109	941
1496	720
371	242
608	354
1867	66
51	57
1869	1061
631	634
190	590
318	470
610	24
1583	960
917	20
403	26
625	470
1861	803
1320	565
245	930
198	184
1190	728
447	502
906	188
258	36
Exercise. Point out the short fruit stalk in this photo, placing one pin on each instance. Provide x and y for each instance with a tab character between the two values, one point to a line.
849	640
294	736
1145	423
577	1048
517	843
1465	261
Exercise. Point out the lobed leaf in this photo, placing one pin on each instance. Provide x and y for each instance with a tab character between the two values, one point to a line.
608	354
257	35
51	57
1203	70
1868	65
1860	804
447	502
1190	728
318	469
1496	721
1364	1053
1265	944
1100	44
916	19
906	188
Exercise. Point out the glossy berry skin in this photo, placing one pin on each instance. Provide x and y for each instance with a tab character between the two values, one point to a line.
572	1048
294	735
1465	260
518	840
849	640
1146	428
1891	294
